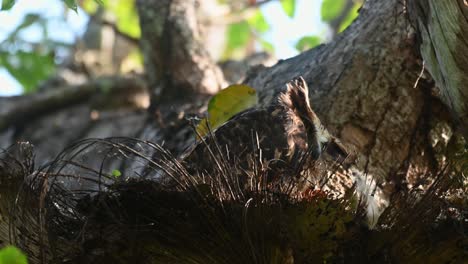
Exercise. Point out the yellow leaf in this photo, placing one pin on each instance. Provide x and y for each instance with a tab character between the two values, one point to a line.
225	104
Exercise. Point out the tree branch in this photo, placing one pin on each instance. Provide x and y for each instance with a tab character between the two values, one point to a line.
361	85
176	63
19	110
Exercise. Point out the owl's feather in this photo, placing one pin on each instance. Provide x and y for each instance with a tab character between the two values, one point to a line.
278	134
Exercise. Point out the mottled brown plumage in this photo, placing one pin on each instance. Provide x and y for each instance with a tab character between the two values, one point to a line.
277	136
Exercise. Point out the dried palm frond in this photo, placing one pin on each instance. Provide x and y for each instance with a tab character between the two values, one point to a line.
129	201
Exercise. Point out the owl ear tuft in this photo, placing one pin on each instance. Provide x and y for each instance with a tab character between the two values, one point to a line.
297	95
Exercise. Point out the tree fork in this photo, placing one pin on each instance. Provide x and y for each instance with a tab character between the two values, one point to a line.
176	61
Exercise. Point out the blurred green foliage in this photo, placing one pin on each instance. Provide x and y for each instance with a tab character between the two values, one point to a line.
12	255
7	4
30	63
240	35
307	42
289	7
331	9
71	4
352	14
28	68
126	16
258	22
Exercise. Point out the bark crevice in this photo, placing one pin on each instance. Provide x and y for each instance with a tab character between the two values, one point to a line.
442	30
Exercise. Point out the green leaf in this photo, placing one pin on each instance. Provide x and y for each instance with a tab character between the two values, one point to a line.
289	7
12	255
258	22
307	42
28	20
7	4
28	68
90	6
71	4
331	9
267	46
353	13
126	16
238	34
116	173
225	104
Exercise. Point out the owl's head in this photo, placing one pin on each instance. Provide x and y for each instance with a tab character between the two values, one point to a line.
319	140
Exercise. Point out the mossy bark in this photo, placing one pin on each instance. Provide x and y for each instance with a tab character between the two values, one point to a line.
442	28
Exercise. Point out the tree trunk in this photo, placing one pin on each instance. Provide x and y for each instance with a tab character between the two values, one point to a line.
442	30
364	88
177	63
367	86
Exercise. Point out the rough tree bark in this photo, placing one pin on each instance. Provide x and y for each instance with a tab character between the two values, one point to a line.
366	86
176	61
442	28
363	88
